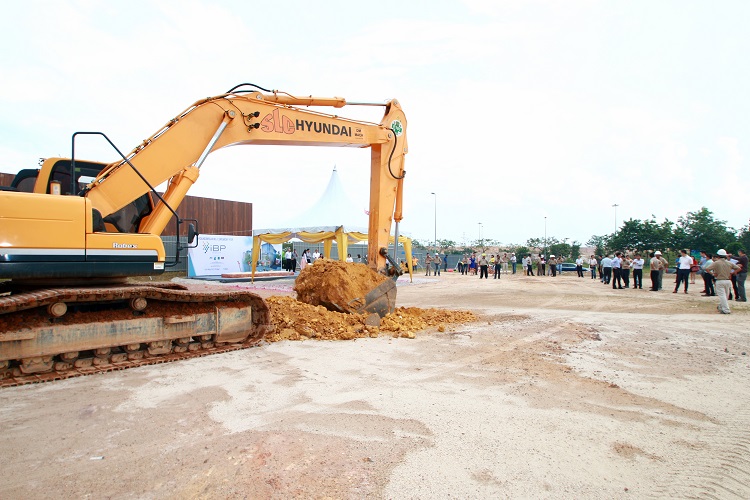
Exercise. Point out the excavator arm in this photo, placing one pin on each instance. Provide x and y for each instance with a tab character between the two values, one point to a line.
176	152
67	242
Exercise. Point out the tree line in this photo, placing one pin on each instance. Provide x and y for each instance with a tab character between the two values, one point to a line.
699	230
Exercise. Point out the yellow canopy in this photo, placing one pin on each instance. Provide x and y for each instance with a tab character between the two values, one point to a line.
341	237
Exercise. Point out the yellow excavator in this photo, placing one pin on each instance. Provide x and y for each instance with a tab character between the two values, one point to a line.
73	231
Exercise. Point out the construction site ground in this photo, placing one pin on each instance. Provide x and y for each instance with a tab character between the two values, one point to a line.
563	388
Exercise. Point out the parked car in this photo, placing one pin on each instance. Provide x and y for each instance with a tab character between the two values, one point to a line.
571	267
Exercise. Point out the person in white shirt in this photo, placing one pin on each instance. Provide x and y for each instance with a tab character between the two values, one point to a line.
592	266
637	266
579	266
616	271
287	260
685	262
315	255
606	269
349	258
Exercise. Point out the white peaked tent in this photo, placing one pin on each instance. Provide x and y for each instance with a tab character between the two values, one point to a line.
333	217
333	206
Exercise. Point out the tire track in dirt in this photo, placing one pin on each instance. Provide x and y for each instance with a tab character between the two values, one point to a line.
722	471
717	463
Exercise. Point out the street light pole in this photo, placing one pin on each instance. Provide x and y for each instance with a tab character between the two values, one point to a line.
435	219
480	234
615	207
545	237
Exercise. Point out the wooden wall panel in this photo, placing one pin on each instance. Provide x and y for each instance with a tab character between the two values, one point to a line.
215	216
6	179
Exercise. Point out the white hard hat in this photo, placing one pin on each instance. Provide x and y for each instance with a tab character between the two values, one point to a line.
722	252
551	256
657	252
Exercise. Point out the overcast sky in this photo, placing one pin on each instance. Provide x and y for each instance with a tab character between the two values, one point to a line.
517	110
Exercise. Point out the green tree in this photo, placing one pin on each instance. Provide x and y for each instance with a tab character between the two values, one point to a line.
521	252
628	237
701	231
535	242
560	249
599	243
643	235
744	238
657	235
449	246
480	244
575	248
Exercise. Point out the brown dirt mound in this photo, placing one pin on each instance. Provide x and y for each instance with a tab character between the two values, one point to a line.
294	320
333	282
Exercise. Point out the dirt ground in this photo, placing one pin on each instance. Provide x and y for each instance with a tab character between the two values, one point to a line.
564	388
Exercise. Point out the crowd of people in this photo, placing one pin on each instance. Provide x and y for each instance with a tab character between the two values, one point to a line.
473	264
723	274
291	259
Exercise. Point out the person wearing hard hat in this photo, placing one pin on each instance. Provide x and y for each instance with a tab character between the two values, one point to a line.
483	267
552	265
722	270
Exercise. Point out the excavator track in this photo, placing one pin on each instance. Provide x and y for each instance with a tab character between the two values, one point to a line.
59	333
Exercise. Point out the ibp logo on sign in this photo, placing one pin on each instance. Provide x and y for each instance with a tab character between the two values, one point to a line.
213	248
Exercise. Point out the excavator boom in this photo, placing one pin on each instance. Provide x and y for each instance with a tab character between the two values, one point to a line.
73	231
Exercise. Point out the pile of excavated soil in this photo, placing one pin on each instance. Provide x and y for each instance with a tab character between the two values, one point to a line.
295	320
333	282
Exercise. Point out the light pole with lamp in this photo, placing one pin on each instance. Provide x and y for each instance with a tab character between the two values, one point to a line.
615	207
545	237
481	243
433	194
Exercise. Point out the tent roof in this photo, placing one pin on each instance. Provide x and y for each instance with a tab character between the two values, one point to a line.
332	210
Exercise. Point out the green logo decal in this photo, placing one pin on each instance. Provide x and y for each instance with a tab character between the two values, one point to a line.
398	129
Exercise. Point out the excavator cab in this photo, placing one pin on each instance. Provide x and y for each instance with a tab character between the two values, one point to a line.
57	177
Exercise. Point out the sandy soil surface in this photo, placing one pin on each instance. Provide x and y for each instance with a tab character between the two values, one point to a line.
564	388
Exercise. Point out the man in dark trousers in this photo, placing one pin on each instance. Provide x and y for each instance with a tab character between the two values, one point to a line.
656	268
552	265
740	277
483	263
616	271
606	269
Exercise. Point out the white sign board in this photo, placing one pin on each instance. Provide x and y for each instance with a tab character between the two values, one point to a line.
217	254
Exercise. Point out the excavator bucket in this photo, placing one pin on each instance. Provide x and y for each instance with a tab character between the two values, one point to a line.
381	299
